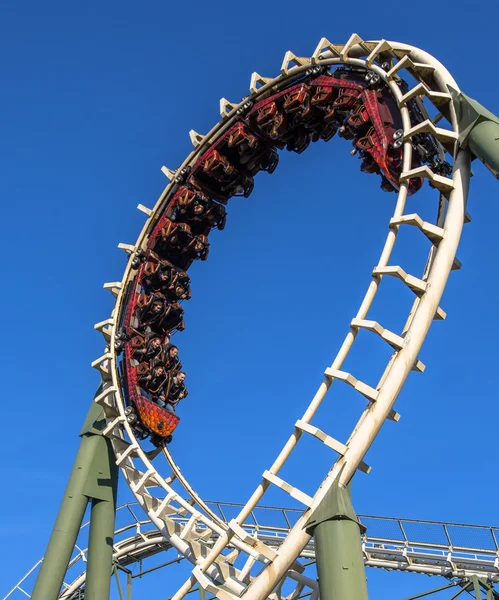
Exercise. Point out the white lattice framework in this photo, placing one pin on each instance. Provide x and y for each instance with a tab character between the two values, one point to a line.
227	560
450	550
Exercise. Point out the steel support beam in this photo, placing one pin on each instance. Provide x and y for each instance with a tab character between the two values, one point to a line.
338	547
94	477
101	534
478	130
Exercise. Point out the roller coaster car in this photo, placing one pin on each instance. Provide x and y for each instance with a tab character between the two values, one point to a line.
146	348
161	276
154	313
368	117
336	97
289	119
157	274
143	413
178	244
199	212
219	178
228	167
253	153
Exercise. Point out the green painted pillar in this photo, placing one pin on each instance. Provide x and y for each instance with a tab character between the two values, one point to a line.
94	476
478	130
102	518
338	547
66	528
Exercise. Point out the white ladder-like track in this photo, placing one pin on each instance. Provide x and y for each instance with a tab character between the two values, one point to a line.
227	560
426	547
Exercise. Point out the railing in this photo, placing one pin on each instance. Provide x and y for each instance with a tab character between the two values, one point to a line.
427	547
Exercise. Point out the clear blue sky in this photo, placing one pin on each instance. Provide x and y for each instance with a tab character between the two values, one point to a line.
96	97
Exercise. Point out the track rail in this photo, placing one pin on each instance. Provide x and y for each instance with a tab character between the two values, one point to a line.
256	567
409	545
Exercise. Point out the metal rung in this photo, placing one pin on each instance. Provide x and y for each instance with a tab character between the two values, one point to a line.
226	107
440	315
101	367
232	556
443	135
246	570
255	543
196	138
443	184
105	398
395	341
354	40
418	366
467	217
407	63
112	425
393	416
114	287
168	173
457	264
137	487
328	441
366	390
105	327
109	391
290	58
144	209
256	80
122	457
382	47
421	89
434	233
164	504
188	527
128	248
210	587
325	44
418	286
286	487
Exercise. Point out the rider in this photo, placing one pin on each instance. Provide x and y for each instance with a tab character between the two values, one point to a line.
176	390
149	349
155	382
171	358
158	276
152	311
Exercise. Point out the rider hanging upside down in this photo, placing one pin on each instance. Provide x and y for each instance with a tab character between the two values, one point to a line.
161	276
178	244
158	275
220	179
199	212
156	314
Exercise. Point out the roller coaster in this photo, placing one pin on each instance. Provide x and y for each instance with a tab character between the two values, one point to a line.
410	126
455	551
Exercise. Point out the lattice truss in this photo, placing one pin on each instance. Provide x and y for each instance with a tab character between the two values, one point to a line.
455	551
228	561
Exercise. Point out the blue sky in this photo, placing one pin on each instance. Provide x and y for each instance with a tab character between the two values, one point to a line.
96	97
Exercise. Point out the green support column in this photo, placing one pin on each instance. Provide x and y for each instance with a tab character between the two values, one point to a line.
338	547
479	130
94	476
102	518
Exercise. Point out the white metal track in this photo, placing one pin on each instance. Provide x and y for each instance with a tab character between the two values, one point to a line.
424	547
258	566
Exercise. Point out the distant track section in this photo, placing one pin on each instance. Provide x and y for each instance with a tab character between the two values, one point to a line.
410	545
